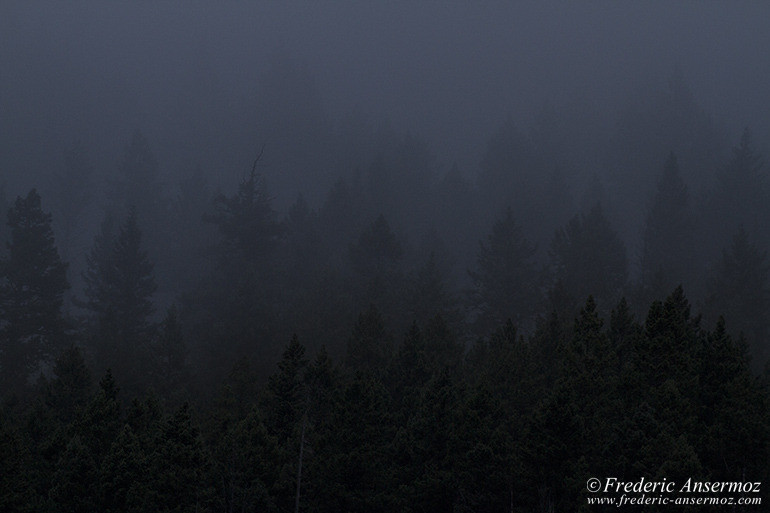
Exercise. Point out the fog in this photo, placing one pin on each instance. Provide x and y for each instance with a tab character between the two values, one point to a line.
396	256
207	84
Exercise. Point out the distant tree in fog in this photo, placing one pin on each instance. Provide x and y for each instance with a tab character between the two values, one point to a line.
667	247
247	221
375	258
430	295
119	287
506	280
74	193
589	258
741	198
33	281
508	174
138	183
652	124
738	290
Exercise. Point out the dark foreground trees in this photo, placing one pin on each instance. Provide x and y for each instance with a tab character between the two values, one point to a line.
428	429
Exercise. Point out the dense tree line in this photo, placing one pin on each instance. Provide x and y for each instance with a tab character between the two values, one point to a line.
512	424
452	345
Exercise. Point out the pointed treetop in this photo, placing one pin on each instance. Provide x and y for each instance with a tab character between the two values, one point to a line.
108	386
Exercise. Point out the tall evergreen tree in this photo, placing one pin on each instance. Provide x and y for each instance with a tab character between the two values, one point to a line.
138	183
169	354
247	221
178	467
376	258
667	247
239	301
369	346
33	281
590	259
739	200
507	285
75	192
70	388
738	289
429	294
729	391
119	285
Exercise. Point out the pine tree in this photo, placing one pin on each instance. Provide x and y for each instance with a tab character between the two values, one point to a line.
137	185
375	259
31	291
286	405
369	346
738	289
16	463
377	249
667	254
170	353
240	299
507	284
124	474
99	268
178	466
119	286
729	391
100	421
75	187
70	388
285	399
739	200
75	480
247	221
589	258
429	295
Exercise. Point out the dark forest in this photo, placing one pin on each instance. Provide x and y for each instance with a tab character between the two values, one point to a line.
230	281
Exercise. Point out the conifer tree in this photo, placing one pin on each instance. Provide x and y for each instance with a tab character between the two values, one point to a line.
17	491
124	474
729	391
247	221
75	484
590	259
285	399
70	388
739	200
33	281
119	288
178	466
75	192
507	285
170	353
138	185
738	289
667	254
429	294
369	346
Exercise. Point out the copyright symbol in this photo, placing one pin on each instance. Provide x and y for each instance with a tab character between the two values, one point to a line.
593	485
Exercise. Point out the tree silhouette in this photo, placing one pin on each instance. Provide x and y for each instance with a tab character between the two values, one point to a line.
507	283
33	283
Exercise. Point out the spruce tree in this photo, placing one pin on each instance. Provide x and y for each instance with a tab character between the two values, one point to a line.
119	286
739	200
667	257
31	294
507	285
738	289
590	259
369	346
375	258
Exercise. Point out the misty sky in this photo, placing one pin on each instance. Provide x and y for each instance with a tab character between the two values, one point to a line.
195	77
